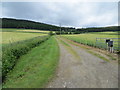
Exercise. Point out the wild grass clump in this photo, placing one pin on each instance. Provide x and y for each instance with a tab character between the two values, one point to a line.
36	68
90	39
12	52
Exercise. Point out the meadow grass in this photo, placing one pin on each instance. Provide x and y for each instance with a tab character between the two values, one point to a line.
10	37
37	31
20	30
36	68
12	52
107	33
90	39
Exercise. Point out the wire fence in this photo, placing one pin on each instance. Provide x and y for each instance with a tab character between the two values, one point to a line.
101	43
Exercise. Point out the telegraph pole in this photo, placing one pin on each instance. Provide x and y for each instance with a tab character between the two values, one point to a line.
60	28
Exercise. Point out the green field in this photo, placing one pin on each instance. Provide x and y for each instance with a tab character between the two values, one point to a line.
25	51
33	54
90	38
11	35
36	68
28	57
22	30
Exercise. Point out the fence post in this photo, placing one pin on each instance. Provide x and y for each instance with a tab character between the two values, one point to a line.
107	41
96	41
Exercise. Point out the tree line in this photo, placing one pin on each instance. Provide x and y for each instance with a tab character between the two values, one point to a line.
26	24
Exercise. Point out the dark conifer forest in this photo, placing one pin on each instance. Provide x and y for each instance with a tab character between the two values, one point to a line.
26	24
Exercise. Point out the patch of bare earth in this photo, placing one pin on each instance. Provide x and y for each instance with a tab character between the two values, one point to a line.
87	71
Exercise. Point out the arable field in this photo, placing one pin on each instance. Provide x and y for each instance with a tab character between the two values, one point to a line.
23	30
107	33
28	57
33	31
90	39
11	35
16	44
32	59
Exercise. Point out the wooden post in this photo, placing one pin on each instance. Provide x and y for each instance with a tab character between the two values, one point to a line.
96	41
107	46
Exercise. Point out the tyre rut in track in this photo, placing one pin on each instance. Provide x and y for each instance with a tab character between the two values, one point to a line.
85	71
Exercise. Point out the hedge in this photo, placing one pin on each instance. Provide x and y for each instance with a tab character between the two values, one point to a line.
12	52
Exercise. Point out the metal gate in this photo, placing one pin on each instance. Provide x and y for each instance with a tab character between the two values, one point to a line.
101	43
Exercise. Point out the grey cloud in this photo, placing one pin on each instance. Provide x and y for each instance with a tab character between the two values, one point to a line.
68	14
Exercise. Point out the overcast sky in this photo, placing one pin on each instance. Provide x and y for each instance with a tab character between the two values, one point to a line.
76	14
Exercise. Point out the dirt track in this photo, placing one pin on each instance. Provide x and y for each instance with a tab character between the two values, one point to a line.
80	69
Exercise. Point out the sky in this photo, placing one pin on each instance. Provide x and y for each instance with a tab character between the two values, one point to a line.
73	14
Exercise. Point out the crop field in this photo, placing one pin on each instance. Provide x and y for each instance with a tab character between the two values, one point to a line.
90	38
107	33
22	30
29	58
11	35
17	44
38	53
34	31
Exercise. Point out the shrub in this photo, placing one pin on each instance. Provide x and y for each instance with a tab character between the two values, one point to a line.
12	52
51	33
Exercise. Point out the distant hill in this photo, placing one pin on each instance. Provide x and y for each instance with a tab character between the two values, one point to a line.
98	29
26	24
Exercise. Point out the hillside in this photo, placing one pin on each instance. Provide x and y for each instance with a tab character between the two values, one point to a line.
98	29
26	24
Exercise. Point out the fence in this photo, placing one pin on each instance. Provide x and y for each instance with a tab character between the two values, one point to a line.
101	43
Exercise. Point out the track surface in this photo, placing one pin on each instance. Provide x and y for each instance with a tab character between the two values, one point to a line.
80	69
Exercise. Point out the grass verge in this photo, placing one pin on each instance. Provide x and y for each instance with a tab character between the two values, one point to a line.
12	52
36	68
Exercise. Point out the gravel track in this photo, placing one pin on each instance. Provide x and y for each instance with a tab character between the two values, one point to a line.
87	71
